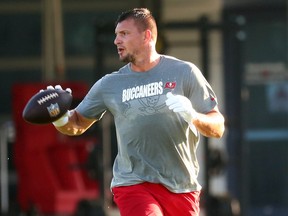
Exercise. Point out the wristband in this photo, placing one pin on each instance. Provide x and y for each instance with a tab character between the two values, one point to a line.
62	121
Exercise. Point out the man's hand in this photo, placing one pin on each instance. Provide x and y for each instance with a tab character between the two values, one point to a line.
58	87
65	118
182	105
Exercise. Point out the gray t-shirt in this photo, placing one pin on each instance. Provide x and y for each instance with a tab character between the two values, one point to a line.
154	143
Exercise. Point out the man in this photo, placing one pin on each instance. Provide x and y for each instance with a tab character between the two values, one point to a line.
159	104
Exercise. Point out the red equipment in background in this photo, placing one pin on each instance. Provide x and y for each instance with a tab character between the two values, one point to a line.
48	164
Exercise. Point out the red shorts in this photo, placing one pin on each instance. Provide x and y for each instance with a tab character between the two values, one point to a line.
148	199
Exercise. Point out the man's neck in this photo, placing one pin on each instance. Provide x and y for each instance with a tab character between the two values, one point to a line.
146	64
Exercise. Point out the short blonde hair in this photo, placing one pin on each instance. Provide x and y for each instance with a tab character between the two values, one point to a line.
143	18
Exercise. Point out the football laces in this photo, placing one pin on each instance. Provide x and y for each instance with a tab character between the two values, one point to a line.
47	98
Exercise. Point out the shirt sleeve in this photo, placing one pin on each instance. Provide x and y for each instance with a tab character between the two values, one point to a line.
93	106
200	92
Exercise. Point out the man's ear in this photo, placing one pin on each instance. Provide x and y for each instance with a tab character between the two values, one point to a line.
148	35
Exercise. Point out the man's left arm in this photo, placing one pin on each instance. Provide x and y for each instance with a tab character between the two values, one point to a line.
210	124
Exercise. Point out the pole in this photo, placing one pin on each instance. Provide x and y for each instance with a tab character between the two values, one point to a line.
6	134
58	40
205	69
53	45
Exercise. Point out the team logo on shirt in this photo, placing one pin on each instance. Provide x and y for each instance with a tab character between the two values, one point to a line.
142	91
170	85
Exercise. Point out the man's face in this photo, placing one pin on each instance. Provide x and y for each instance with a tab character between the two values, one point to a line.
129	40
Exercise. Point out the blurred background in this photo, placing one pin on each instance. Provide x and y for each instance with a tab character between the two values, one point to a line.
241	48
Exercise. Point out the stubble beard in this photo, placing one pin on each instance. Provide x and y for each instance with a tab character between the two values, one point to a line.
128	58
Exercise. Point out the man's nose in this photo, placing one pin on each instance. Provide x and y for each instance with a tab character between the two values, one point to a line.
116	40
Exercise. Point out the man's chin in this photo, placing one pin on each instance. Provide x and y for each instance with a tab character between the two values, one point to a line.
124	59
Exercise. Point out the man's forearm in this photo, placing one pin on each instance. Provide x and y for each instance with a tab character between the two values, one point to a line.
210	125
76	125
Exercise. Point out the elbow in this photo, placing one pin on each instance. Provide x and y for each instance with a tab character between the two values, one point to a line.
220	132
214	132
221	129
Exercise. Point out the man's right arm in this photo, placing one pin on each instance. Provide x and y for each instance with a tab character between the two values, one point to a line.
77	124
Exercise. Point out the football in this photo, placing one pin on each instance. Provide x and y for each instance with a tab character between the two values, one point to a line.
47	106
